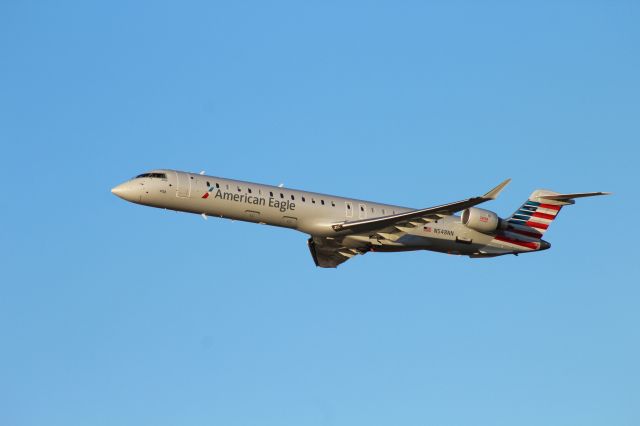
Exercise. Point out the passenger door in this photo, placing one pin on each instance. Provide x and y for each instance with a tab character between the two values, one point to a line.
184	185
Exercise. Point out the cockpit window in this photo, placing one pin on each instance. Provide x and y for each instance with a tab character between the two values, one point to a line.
152	175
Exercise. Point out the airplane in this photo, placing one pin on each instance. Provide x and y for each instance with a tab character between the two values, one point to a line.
340	228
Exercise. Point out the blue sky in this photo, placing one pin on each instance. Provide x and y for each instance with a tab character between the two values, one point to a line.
111	313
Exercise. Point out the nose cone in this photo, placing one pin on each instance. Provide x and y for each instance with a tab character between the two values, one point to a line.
126	191
117	190
544	245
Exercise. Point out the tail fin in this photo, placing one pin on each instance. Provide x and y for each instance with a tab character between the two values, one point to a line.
536	214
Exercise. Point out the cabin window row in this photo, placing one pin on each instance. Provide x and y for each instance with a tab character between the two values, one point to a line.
271	194
293	197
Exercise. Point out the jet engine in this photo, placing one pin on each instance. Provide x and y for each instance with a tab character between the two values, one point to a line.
480	220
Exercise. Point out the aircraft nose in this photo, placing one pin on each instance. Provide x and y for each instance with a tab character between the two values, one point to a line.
117	190
544	245
126	191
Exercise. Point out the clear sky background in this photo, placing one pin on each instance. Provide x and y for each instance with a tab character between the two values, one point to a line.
117	314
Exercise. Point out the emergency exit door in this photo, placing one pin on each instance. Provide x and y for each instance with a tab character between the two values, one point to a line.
348	209
362	211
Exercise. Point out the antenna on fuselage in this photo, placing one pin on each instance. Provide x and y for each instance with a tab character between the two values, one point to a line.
281	185
202	172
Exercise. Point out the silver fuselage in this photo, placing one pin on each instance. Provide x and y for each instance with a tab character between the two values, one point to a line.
308	212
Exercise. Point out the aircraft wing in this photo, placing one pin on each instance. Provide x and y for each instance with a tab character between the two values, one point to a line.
328	253
378	223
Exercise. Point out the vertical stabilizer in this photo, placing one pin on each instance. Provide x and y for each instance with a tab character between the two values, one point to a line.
536	214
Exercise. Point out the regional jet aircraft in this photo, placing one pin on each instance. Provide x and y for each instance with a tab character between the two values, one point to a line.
340	228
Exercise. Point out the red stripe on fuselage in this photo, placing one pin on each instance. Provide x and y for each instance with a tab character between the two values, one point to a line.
526	233
528	244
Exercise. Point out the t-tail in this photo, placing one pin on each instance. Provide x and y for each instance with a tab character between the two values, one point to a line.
534	217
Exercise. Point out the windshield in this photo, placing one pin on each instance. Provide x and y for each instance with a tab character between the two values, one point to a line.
152	175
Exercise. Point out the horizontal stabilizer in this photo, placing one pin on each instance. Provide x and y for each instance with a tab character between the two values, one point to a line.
534	217
567	197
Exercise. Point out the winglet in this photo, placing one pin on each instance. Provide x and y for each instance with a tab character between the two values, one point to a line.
493	194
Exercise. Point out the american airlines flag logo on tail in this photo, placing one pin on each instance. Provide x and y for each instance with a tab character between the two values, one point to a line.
534	215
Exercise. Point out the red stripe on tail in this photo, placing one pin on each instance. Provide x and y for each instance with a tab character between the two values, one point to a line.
544	215
550	207
537	225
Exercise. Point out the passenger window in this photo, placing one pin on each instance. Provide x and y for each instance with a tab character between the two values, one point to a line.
361	208
303	200
281	195
249	189
208	184
271	193
333	204
348	206
217	185
239	190
322	202
313	201
292	197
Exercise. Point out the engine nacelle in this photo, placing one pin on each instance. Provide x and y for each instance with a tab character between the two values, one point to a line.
480	220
